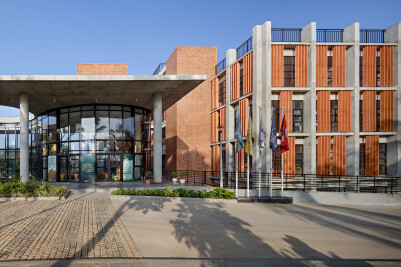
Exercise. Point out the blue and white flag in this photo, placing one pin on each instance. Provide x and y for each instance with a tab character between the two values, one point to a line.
273	136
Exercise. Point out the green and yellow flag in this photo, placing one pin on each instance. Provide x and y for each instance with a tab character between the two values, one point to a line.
249	138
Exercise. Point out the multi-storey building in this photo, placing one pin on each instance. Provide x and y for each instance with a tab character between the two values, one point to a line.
340	89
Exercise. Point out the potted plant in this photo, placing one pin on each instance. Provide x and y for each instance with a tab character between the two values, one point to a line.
182	179
148	176
62	174
174	175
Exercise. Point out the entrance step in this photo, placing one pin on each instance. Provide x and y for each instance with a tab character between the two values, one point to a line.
273	200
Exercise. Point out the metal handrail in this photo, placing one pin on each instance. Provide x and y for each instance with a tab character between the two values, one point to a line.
286	35
159	68
220	66
244	48
329	35
371	36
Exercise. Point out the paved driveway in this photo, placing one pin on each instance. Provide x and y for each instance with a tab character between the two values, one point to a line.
84	226
252	232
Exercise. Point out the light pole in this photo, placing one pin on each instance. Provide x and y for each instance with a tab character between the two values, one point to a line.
221	155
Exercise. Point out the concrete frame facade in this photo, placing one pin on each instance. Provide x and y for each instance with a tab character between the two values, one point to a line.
263	91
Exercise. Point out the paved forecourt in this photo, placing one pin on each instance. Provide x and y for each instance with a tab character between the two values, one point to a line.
82	226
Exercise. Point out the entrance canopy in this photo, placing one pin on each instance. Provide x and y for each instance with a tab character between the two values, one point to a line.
54	91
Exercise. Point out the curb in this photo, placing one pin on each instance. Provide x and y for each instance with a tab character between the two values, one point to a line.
7	199
207	200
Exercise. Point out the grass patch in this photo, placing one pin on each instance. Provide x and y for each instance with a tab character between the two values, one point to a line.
16	188
217	193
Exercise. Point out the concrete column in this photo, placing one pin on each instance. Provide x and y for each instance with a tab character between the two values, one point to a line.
308	35
157	138
393	35
24	136
231	57
351	35
261	95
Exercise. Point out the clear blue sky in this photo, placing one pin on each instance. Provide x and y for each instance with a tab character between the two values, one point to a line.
51	37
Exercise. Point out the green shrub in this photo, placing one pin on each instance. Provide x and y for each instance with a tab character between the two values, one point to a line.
218	193
16	188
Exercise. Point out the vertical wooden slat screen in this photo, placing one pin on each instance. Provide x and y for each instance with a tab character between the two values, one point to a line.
339	66
372	155
215	93
235	68
215	123
344	111
323	111
369	66
277	65
323	155
247	70
301	66
286	102
223	123
243	112
216	158
289	158
387	111
321	65
369	111
387	66
339	155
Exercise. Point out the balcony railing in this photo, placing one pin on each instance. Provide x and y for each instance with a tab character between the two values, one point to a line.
329	35
244	48
371	36
221	66
159	68
286	35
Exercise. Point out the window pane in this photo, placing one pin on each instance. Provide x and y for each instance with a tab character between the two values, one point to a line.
128	121
64	127
116	124
88	125
75	125
102	124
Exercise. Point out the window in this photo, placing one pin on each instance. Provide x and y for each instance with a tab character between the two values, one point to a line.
277	161
378	112
361	70
299	159
382	159
222	93
297	116
334	115
330	71
289	71
378	71
360	116
241	82
362	159
276	112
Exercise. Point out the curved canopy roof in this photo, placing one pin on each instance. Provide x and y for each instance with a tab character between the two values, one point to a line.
53	91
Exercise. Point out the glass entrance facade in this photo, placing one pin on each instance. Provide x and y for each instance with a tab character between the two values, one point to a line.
91	143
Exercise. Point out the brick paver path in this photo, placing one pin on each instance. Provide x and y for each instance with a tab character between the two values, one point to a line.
63	229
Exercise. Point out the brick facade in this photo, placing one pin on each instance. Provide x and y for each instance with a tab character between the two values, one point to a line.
102	69
188	122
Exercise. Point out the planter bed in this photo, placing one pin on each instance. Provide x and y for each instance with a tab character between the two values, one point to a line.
36	198
17	190
215	193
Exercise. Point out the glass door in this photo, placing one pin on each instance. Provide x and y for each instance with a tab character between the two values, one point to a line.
74	169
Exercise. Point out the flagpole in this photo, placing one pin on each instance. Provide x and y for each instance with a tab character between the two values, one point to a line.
271	161
247	157
282	159
260	168
236	174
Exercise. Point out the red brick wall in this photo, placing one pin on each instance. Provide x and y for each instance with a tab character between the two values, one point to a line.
102	69
188	122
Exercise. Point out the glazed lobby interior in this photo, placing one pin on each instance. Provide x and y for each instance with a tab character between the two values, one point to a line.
340	89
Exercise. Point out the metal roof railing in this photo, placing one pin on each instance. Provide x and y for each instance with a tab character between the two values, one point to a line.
244	48
220	66
371	36
159	68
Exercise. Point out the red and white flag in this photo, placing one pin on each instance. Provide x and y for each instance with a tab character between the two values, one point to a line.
284	136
